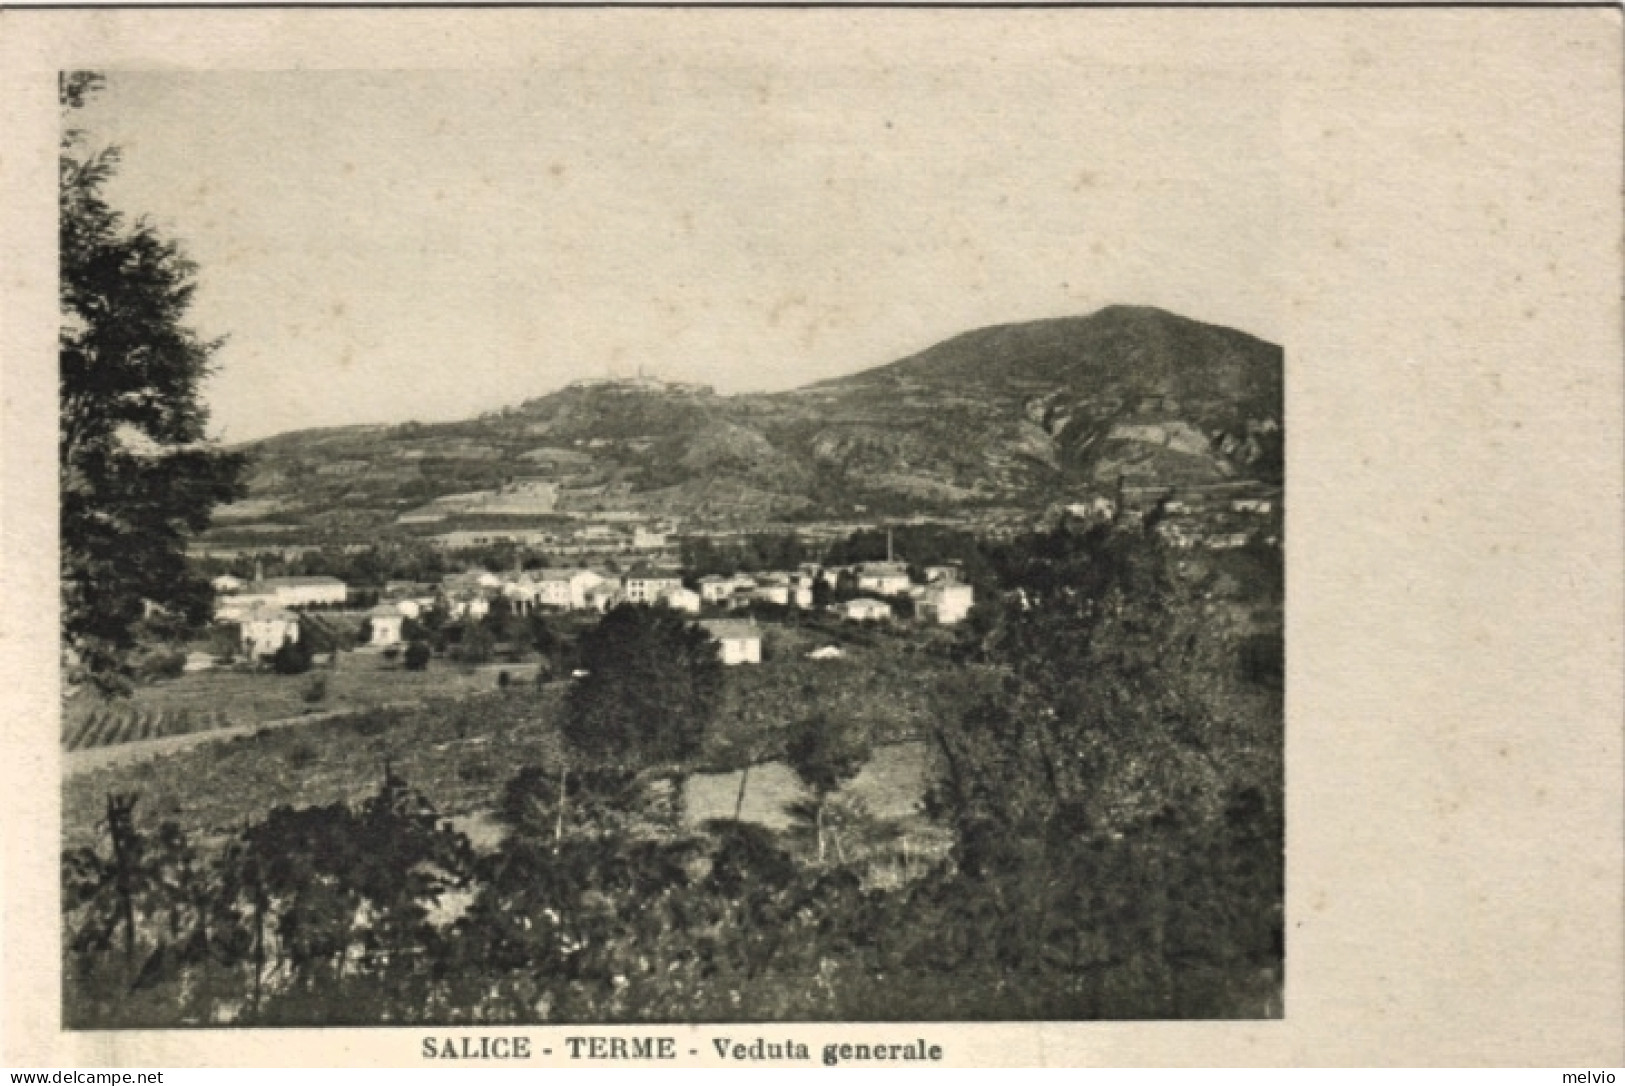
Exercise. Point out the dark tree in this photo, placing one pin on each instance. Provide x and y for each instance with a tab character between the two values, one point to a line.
478	644
823	594
417	656
136	472
651	687
508	625
291	658
825	755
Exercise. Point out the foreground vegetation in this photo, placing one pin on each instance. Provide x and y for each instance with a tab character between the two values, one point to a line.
1105	775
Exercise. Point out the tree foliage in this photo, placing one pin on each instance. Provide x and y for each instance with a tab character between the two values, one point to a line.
293	909
652	685
1112	779
825	754
292	657
136	473
417	656
477	644
1115	692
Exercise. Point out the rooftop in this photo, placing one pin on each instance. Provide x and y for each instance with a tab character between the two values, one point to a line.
642	572
268	614
732	630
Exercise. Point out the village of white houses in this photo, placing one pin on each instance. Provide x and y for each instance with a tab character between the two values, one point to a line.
948	687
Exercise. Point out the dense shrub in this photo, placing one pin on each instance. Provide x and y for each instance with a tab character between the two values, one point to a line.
476	645
292	658
417	656
162	663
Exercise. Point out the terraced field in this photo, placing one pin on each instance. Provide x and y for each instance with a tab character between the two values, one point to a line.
205	700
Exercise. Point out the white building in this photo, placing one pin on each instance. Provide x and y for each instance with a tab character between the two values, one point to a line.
741	642
236	608
864	609
385	620
715	589
682	599
782	590
886	578
648	585
467	603
603	596
474	580
522	592
266	629
225	584
772	592
302	591
566	589
946	602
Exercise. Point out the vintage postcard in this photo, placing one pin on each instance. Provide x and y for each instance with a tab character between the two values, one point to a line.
812	537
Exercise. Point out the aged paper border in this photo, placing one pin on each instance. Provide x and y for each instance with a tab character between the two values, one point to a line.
1451	275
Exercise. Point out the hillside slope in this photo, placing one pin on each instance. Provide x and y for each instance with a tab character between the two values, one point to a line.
1012	415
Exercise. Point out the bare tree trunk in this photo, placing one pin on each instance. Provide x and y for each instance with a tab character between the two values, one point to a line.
259	941
739	801
558	825
818	820
120	827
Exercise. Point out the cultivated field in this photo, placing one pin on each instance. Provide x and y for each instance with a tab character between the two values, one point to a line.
224	697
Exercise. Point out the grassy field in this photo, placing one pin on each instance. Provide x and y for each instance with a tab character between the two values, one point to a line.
203	700
888	788
460	751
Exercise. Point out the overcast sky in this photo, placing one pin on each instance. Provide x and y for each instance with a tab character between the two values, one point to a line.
383	246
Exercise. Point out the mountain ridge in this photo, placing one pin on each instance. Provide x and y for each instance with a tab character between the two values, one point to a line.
1021	415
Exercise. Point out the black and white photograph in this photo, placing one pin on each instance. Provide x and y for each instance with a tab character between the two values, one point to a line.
770	537
637	544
